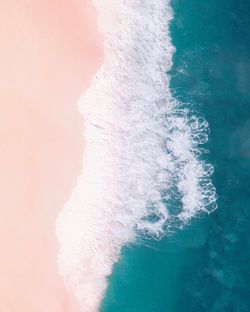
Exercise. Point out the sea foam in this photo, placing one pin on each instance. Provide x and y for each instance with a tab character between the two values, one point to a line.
142	169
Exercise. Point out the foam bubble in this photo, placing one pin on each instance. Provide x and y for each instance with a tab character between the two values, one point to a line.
142	167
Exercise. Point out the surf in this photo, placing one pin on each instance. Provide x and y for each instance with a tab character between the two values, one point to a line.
143	174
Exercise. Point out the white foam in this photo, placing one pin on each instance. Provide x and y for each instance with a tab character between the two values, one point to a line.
142	172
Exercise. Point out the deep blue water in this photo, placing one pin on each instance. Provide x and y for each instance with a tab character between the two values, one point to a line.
206	266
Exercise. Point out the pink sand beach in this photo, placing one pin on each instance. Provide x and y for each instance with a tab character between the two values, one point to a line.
50	50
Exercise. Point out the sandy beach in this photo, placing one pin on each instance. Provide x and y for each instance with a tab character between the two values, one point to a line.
49	52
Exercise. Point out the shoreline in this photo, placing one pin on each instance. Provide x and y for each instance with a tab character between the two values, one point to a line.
59	50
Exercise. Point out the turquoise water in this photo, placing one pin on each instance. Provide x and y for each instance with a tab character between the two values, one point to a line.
206	266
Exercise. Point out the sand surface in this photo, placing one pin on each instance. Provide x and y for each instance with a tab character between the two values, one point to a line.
50	49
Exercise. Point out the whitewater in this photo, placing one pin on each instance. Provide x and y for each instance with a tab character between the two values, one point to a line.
143	172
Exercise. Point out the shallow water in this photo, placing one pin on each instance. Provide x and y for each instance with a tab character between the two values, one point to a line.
204	267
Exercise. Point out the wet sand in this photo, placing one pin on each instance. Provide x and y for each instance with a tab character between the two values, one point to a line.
50	49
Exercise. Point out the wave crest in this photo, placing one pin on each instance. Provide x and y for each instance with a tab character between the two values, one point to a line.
142	168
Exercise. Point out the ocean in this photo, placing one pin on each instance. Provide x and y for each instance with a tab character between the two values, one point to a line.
204	265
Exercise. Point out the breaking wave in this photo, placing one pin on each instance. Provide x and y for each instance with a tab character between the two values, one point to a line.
142	169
